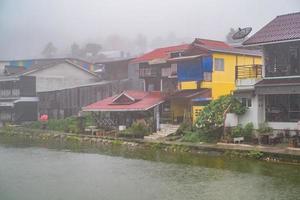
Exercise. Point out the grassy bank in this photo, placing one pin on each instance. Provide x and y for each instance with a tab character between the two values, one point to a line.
77	142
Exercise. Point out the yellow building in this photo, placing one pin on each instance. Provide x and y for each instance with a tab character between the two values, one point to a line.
208	71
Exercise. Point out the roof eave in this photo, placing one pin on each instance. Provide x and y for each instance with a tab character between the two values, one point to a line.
271	42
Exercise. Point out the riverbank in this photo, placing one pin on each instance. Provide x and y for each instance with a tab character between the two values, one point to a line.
73	141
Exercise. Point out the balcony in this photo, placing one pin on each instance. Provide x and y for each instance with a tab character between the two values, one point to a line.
247	76
282	70
9	93
148	72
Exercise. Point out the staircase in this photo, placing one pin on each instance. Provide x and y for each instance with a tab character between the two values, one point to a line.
165	130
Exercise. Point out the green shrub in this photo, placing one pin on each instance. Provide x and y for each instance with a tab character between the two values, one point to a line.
199	135
248	131
264	128
69	124
255	154
190	136
182	128
137	130
237	131
212	116
245	132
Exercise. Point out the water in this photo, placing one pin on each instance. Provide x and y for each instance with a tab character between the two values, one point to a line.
35	173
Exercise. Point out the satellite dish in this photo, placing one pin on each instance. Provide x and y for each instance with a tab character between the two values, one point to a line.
241	33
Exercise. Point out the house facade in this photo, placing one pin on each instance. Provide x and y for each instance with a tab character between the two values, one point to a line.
18	99
273	95
193	74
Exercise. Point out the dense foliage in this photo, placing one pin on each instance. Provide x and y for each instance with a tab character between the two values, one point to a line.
137	130
69	124
209	124
212	116
246	131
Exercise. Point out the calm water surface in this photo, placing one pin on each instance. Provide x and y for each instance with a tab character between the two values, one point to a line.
34	173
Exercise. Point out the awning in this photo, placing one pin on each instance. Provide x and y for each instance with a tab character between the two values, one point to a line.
201	99
278	86
191	94
127	101
6	104
244	93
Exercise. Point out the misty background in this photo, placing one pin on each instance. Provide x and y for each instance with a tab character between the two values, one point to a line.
59	28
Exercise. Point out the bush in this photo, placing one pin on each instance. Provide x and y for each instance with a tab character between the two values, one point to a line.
137	130
248	131
264	128
212	116
190	136
201	136
69	124
245	132
237	131
182	128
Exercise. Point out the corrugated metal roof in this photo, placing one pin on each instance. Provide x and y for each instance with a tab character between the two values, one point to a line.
144	101
282	28
160	53
278	81
187	94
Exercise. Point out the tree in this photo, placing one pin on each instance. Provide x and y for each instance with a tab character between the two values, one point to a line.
49	50
92	48
229	36
75	50
141	42
212	116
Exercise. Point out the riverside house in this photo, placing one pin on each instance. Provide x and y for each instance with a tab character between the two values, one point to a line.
192	74
273	94
18	99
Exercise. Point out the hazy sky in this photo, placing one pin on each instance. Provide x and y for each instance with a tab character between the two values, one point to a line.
27	25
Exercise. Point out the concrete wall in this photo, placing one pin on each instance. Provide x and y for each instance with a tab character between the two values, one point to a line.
255	113
2	66
61	76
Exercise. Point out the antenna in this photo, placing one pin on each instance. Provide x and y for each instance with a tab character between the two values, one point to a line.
241	33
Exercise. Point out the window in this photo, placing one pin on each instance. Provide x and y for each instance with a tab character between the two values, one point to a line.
219	64
246	102
176	54
207	76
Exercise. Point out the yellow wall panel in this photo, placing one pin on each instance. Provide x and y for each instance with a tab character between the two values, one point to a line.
188	85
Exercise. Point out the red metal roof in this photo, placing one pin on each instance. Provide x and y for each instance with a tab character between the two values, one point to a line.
142	101
282	28
211	43
160	53
222	47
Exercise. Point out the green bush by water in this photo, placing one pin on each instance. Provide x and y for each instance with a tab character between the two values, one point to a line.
240	131
137	130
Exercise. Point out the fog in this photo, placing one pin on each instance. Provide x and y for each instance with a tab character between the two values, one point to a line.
134	26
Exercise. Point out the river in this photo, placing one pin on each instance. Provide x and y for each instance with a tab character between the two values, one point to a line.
35	173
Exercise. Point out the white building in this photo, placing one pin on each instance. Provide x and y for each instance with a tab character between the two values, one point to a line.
272	91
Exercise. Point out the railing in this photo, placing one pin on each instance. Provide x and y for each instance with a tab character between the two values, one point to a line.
9	93
282	70
147	72
248	71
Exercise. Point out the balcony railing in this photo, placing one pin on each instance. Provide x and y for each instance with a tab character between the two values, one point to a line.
147	72
282	70
248	71
9	93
